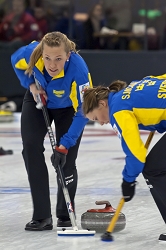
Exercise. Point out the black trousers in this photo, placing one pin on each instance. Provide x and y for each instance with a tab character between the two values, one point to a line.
154	173
33	132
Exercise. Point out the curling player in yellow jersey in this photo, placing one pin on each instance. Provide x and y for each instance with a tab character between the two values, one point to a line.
139	106
63	76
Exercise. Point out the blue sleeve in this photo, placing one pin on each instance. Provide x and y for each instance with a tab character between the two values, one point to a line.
19	61
133	166
126	127
75	130
79	121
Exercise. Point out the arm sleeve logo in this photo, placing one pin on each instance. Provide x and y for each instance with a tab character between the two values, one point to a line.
82	89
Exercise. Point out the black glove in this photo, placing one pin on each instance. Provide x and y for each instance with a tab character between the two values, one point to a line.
128	190
59	157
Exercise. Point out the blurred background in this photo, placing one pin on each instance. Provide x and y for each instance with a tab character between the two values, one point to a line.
119	39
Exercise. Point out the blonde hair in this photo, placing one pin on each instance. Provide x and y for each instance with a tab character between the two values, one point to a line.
92	96
52	39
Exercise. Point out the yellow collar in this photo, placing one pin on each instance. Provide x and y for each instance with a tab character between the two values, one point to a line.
61	74
40	65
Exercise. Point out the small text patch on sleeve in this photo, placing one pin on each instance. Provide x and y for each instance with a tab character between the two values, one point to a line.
82	89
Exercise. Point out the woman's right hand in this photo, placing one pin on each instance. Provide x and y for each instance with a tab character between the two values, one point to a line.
35	92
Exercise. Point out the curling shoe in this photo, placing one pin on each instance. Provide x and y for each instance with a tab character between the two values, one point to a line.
64	224
39	225
5	152
162	237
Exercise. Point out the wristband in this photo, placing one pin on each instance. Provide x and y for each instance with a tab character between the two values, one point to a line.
60	150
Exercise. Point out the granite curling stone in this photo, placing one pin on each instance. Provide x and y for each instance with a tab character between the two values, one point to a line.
99	219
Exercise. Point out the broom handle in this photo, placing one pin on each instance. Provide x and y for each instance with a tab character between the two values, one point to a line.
150	137
114	219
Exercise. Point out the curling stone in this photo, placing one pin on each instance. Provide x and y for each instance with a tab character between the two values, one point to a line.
99	219
6	116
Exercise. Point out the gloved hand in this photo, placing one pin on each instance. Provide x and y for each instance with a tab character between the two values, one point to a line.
59	157
128	190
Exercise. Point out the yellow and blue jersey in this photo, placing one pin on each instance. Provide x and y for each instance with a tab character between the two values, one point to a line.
140	106
64	90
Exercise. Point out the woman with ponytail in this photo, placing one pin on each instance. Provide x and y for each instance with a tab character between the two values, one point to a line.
62	75
141	105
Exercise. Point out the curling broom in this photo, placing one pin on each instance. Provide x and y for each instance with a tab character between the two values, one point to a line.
41	104
107	236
